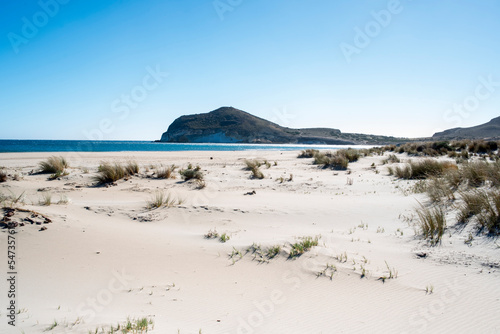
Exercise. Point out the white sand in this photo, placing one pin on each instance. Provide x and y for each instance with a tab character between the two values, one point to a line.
97	266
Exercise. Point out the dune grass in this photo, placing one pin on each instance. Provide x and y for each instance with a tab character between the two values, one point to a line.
191	172
162	199
131	326
483	207
439	189
53	164
212	234
457	148
418	170
46	199
224	237
273	251
131	168
432	222
331	160
391	159
309	153
302	246
166	173
109	173
254	167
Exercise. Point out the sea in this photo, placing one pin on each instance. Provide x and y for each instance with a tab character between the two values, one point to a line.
133	146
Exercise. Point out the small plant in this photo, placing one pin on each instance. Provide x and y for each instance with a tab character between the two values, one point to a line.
166	173
392	158
46	199
253	166
108	173
438	189
224	237
161	199
273	251
131	168
473	204
63	200
392	273
303	246
191	173
53	165
350	181
52	326
212	234
57	175
234	253
432	223
342	258
309	153
429	289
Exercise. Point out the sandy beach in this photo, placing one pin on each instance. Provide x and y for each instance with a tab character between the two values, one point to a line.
106	257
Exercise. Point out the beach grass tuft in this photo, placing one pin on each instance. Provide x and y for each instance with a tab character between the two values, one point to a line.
109	173
191	172
254	167
302	246
53	164
166	173
432	223
162	199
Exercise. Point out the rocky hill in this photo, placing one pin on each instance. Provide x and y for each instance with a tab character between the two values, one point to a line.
490	130
230	125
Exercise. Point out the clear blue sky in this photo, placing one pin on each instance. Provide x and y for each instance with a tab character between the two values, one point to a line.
66	70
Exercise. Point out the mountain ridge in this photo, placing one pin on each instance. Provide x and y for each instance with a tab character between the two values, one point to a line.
489	130
231	125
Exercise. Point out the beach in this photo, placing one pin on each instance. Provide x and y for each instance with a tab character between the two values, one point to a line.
106	257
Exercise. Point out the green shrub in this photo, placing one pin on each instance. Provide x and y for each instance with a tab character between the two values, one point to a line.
191	173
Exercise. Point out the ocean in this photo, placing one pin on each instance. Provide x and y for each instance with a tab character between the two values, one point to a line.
128	146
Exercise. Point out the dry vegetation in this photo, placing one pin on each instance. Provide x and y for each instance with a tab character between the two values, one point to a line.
254	167
191	172
338	160
55	165
166	173
109	173
470	186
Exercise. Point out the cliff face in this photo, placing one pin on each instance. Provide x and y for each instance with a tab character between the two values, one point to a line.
230	125
483	131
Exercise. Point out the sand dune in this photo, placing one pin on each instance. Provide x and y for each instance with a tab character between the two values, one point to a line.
105	256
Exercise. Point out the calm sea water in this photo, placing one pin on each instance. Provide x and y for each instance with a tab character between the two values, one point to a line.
120	146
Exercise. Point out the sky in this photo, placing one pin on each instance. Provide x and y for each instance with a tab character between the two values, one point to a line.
126	69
